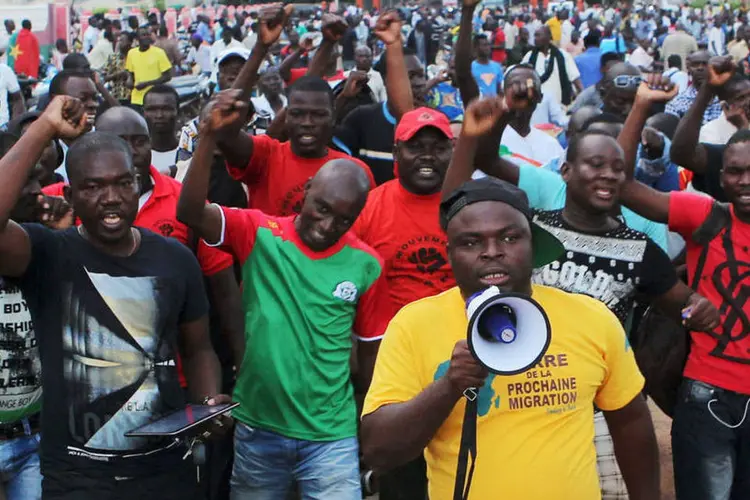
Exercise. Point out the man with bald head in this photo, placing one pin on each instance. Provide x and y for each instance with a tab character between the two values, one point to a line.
697	68
308	284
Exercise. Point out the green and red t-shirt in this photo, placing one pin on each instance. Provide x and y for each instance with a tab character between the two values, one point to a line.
722	357
404	228
301	309
276	177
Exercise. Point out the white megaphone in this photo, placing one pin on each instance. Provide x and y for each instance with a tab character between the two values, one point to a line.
508	332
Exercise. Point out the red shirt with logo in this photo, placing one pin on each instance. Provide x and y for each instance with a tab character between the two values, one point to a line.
722	357
404	228
276	177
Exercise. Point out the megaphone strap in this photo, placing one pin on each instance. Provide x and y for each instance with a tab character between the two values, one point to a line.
468	447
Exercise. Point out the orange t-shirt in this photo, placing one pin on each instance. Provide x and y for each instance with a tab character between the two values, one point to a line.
405	229
276	177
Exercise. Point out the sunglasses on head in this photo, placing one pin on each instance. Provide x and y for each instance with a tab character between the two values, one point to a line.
625	81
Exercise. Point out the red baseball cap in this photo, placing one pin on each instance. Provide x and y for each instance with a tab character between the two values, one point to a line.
417	119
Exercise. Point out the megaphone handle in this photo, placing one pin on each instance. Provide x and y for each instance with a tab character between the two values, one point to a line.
468	447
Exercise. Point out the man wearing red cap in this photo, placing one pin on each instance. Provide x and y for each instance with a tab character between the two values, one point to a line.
400	221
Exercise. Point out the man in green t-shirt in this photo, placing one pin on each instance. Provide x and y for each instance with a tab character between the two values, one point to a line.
308	285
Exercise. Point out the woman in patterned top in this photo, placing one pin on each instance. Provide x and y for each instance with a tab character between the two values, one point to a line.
115	73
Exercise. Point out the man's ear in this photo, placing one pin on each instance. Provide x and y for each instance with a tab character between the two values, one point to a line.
565	171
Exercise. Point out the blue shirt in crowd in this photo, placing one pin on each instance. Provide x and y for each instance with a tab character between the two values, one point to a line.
590	66
489	77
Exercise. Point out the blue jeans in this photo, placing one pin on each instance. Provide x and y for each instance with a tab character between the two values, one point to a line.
19	468
266	464
711	460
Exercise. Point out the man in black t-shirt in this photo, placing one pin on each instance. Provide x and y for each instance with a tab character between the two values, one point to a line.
112	306
706	160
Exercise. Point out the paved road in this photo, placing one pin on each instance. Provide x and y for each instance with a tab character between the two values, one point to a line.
662	426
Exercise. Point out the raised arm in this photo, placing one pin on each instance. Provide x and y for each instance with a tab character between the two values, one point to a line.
479	119
235	145
286	66
686	150
222	112
388	30
463	53
640	198
63	117
272	22
333	30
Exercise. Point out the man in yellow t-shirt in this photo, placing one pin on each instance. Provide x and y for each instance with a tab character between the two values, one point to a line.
535	430
149	66
555	27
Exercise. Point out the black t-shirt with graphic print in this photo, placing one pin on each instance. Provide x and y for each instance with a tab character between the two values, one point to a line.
610	267
108	329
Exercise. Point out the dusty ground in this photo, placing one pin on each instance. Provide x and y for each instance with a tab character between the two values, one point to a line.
662	425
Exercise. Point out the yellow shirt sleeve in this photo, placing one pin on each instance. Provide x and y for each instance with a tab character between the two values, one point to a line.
163	62
623	380
396	377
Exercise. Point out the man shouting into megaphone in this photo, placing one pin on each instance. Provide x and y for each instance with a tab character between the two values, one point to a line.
534	429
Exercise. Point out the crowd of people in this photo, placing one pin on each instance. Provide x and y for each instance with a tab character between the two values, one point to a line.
307	245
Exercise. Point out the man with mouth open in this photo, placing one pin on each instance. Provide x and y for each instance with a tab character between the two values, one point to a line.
541	420
112	307
604	258
308	285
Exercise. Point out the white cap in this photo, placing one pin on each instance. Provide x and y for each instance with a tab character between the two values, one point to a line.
233	52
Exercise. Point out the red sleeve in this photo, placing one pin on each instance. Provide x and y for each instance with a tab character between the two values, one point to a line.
239	227
499	36
264	149
55	189
295	74
373	311
212	260
362	224
687	211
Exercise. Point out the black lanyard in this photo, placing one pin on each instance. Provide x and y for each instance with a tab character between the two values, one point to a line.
468	447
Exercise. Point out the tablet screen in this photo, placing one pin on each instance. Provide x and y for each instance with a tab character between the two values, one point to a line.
180	421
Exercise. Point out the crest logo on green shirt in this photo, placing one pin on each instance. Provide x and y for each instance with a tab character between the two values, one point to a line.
346	291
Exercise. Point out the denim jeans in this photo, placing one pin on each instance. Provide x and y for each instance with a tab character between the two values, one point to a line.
711	460
19	468
266	464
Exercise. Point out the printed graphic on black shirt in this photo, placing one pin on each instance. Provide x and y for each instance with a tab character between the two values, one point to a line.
609	267
113	361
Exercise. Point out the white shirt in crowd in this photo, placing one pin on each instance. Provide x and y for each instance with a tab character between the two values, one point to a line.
8	85
250	39
717	131
552	85
716	41
567	29
537	146
511	32
90	37
218	47
549	111
640	58
678	77
163	161
200	56
263	107
531	27
376	84
100	53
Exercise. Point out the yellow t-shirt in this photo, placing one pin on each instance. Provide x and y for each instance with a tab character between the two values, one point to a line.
535	430
555	27
146	66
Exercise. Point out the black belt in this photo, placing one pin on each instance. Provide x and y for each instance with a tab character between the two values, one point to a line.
17	429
